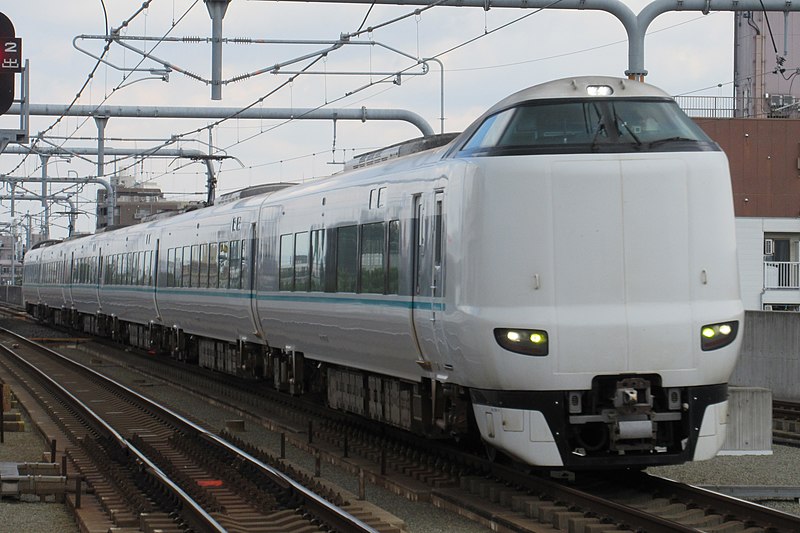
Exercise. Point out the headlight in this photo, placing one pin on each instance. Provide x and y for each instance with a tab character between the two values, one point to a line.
713	336
524	341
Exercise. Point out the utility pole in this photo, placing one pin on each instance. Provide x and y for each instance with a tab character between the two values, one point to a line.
216	9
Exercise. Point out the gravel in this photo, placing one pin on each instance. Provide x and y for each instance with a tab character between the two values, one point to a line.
781	469
28	514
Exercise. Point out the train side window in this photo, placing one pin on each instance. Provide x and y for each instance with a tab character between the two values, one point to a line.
489	133
438	220
213	265
245	280
224	265
195	265
301	270
317	260
286	271
178	266
120	269
381	197
138	270
146	268
346	258
171	267
203	266
373	247
393	285
236	266
186	276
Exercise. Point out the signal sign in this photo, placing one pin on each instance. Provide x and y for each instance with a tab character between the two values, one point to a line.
10	62
10	54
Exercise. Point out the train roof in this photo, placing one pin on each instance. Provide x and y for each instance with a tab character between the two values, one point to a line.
582	87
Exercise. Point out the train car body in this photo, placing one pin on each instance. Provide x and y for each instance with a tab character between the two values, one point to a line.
561	277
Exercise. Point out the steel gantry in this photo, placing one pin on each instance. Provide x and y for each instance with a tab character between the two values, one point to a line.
635	25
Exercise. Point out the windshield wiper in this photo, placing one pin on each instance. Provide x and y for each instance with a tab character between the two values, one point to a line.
624	124
630	132
651	144
601	128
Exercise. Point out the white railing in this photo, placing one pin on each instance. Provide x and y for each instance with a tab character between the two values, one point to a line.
781	275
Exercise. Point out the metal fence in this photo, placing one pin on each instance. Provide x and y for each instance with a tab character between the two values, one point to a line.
737	107
781	275
11	294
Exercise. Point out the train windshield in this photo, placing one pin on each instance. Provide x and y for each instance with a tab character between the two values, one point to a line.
588	126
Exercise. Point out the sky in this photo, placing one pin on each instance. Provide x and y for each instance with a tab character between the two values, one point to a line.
494	53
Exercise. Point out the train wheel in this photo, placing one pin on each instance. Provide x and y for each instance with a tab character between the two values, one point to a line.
492	453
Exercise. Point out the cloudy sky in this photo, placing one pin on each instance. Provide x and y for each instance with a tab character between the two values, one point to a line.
495	53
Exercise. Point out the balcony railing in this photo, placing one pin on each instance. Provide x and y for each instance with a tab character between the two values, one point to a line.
781	275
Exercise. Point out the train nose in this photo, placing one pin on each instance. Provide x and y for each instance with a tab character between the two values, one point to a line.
625	276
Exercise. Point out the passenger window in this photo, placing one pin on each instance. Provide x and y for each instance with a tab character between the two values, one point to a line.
178	266
213	265
317	260
236	266
224	265
203	265
394	257
245	281
195	265
171	267
286	272
186	277
373	240
346	258
148	260
301	249
382	197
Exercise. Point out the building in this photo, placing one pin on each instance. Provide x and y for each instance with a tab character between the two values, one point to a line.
764	156
11	258
133	204
763	82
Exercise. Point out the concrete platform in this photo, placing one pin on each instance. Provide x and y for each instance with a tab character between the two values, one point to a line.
749	422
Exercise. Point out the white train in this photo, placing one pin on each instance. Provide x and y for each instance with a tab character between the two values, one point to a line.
561	278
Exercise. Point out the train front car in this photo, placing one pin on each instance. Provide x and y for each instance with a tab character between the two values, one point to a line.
597	294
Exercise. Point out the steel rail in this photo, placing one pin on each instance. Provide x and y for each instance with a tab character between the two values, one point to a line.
621	514
336	518
744	511
198	513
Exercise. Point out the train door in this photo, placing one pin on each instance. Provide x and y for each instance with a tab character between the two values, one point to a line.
99	278
428	287
154	275
253	270
70	279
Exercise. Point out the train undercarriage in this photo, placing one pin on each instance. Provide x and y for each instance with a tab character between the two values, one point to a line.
428	408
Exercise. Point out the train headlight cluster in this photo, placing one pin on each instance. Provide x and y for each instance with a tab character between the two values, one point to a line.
713	336
524	341
599	90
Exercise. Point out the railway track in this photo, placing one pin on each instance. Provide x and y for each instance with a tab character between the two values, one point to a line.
151	468
498	497
786	422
